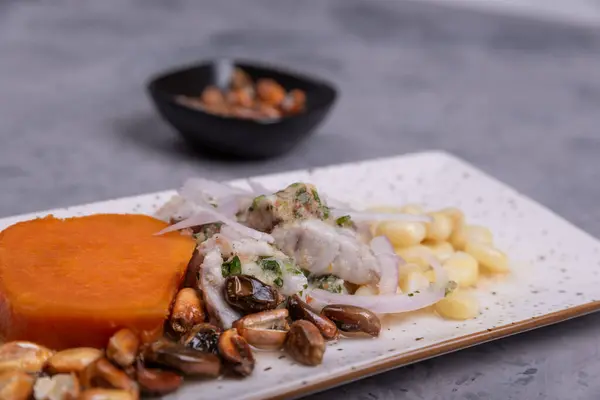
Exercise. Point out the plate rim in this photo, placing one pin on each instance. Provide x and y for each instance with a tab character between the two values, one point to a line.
407	357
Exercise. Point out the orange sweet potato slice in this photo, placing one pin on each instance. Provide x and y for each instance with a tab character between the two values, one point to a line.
74	282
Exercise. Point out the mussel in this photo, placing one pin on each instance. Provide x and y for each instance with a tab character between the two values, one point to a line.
353	320
249	295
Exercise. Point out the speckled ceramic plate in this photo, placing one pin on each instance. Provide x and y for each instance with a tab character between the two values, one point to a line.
555	271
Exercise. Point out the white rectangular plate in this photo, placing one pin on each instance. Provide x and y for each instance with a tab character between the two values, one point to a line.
555	271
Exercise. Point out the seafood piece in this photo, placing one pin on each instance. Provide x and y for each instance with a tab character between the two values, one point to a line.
297	201
223	257
212	283
330	283
324	249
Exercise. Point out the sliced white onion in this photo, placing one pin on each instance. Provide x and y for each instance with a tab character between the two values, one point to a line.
193	186
388	261
391	303
258	188
230	233
211	216
377	216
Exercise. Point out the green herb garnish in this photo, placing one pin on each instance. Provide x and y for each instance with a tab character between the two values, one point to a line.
316	196
256	201
303	197
278	282
344	221
411	294
231	267
271	265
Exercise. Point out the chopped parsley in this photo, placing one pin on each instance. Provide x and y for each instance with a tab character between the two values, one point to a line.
271	265
331	283
316	196
344	221
411	294
256	202
278	282
231	267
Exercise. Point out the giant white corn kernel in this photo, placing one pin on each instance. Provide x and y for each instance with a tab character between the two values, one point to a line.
440	228
414	209
430	275
401	233
366	290
418	254
462	268
413	280
489	257
458	306
381	209
465	233
456	215
442	250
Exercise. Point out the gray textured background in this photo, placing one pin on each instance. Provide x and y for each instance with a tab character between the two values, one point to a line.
516	97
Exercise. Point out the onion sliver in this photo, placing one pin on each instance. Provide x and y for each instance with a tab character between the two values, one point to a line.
258	188
377	216
391	303
388	261
212	188
211	216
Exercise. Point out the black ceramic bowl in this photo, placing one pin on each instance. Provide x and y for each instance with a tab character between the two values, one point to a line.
235	136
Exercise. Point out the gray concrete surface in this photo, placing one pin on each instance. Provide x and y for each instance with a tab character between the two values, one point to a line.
517	97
